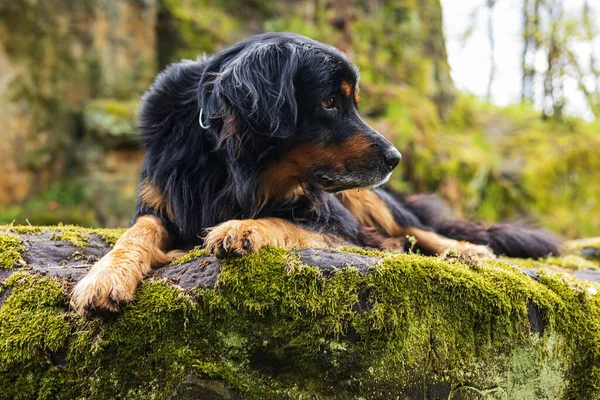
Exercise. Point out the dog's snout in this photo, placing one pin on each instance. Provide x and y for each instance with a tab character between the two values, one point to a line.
392	157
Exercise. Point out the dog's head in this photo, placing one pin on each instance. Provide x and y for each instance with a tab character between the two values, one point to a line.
297	96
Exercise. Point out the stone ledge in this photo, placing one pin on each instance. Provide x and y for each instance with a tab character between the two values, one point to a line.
298	324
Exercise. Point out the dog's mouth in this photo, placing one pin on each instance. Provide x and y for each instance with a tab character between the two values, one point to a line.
356	172
335	182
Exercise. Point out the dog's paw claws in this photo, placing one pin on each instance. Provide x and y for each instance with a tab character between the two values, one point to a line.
476	250
235	238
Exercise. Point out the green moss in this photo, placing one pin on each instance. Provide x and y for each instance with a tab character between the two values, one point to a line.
160	315
365	252
274	328
24	229
567	261
578	319
30	346
78	238
75	235
110	236
68	233
576	246
582	243
102	359
121	109
196	252
113	121
572	261
405	291
11	249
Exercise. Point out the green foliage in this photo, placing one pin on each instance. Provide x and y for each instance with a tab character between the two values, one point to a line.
497	164
63	203
559	175
376	30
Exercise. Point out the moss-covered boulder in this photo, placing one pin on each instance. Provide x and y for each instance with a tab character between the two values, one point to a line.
112	122
297	324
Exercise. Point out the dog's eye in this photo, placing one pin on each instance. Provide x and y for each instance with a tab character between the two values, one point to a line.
328	103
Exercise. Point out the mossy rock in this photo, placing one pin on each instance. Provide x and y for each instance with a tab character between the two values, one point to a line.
298	324
112	122
589	247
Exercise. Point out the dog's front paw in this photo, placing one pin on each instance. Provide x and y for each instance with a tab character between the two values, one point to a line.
238	237
110	283
476	250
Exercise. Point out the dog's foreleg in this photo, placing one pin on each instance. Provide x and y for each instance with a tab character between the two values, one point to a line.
113	279
238	237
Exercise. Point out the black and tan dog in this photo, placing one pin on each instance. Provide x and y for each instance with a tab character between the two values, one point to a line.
246	148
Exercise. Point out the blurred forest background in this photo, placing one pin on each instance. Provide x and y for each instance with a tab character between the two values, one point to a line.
72	73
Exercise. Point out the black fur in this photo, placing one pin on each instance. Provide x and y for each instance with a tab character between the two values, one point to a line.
504	239
211	127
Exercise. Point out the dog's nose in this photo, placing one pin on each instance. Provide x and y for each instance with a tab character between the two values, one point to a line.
392	158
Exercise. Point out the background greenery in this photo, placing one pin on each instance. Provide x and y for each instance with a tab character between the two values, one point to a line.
72	73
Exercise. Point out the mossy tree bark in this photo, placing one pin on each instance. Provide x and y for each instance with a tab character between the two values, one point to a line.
296	324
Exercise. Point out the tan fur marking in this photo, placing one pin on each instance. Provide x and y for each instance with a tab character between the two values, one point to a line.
437	244
357	146
431	241
346	88
370	210
114	278
230	131
283	179
264	232
155	199
394	245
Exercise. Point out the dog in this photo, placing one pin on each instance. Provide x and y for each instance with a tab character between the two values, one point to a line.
262	144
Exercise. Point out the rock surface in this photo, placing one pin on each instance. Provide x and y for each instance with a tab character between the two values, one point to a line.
298	324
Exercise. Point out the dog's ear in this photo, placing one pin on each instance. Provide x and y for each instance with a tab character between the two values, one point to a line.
257	89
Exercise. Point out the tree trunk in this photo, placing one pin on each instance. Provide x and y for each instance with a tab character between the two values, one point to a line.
490	25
